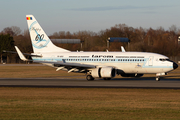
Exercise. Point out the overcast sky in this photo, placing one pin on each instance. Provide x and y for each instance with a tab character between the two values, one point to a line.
93	15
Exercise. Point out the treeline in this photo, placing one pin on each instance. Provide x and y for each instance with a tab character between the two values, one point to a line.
145	40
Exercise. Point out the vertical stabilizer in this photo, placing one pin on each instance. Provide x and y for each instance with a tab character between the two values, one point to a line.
40	41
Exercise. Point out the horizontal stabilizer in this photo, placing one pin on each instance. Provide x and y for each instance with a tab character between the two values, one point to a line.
22	53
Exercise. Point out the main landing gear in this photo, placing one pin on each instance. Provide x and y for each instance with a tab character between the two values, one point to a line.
89	77
107	78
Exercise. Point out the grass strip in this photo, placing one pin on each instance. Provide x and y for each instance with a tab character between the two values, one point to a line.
89	103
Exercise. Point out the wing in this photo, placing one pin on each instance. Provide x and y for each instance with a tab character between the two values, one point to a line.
122	48
61	65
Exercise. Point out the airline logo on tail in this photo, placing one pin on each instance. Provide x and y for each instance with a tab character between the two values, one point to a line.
39	41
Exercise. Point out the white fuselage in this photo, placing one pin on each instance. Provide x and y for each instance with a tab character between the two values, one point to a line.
95	64
129	62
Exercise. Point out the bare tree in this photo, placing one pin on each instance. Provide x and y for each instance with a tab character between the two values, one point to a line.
8	30
173	28
26	34
17	31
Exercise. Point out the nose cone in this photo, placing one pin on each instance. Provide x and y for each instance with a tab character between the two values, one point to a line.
175	65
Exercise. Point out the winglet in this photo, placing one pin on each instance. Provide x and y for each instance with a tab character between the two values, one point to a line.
20	54
122	48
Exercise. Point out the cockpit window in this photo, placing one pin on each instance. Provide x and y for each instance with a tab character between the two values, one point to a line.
169	60
165	59
162	59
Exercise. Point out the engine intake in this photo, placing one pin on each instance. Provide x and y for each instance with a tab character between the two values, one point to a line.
104	72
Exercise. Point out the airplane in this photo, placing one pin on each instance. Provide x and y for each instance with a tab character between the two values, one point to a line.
104	65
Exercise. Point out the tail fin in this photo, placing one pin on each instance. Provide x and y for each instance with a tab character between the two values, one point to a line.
40	41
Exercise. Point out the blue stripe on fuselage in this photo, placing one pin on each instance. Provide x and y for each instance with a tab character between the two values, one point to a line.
102	61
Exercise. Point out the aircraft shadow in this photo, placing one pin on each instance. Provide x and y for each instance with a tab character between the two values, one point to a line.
168	78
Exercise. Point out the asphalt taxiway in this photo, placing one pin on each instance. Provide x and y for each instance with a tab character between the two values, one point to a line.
167	83
170	82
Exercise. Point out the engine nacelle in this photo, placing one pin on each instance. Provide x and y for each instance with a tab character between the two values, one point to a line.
131	75
104	72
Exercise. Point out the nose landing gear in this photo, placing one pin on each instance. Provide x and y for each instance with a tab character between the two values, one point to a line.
157	78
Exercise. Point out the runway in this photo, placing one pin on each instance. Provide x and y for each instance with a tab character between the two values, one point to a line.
99	83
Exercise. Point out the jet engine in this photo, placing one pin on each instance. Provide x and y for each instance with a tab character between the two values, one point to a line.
104	72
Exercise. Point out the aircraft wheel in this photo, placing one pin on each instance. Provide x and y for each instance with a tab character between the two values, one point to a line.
157	78
89	77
